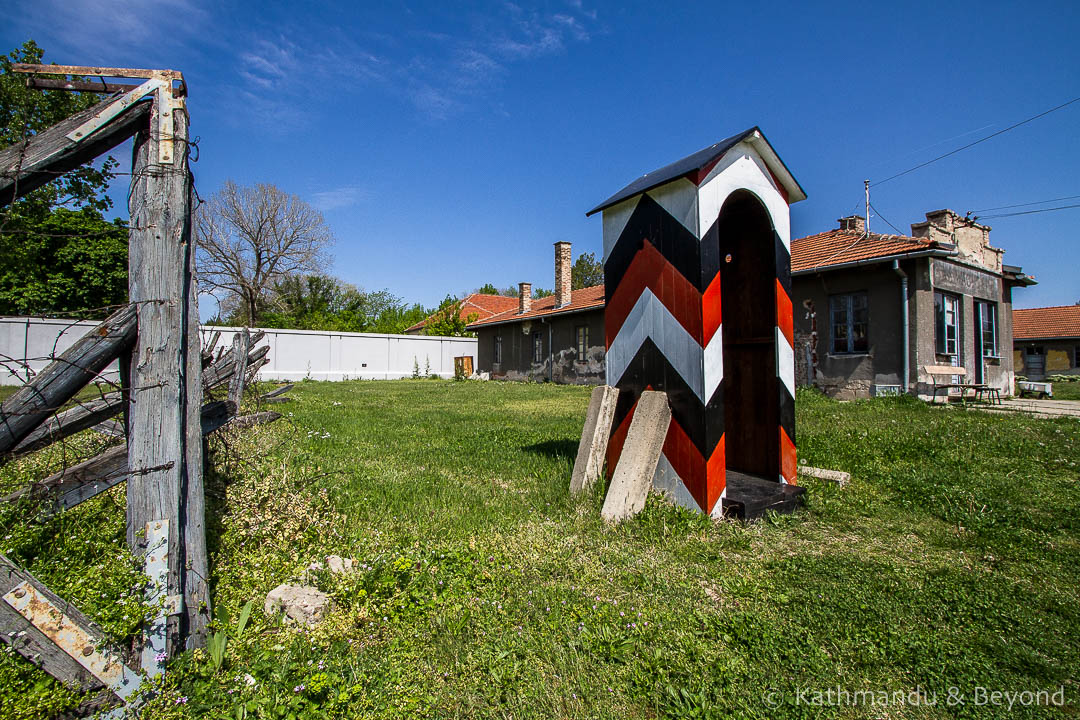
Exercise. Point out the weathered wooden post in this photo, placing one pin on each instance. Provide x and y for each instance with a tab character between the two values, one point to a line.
165	454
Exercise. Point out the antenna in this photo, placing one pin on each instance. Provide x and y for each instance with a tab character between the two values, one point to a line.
866	187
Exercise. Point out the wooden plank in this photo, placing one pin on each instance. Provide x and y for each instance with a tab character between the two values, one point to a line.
77	484
96	71
67	423
222	370
26	166
33	644
259	418
277	391
32	404
241	347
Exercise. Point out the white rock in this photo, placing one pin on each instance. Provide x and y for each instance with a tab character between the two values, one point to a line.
338	564
302	604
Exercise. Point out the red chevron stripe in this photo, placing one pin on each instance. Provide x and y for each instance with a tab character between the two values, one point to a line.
617	440
716	474
650	269
710	312
787	457
784	319
687	462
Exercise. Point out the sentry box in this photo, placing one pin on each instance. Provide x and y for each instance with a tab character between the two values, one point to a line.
697	272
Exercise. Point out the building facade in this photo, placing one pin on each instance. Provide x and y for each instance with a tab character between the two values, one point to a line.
558	338
872	311
1046	341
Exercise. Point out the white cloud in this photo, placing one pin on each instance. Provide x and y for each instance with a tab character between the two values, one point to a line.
338	198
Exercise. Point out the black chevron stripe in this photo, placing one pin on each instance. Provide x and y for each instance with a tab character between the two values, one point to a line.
783	263
652	222
787	411
650	367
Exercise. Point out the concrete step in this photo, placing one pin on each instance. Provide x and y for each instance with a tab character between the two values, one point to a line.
749	497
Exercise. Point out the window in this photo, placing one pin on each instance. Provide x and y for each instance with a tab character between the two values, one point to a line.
538	347
850	317
987	320
1076	356
497	358
582	342
946	323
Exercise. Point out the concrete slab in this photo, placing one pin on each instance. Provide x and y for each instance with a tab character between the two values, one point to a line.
633	476
594	439
1038	408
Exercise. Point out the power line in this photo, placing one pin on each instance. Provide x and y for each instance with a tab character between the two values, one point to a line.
1037	202
1026	212
980	140
898	230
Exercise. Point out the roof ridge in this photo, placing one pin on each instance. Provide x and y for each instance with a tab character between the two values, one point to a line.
1048	307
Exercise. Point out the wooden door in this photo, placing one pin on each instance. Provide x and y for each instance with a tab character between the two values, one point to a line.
748	302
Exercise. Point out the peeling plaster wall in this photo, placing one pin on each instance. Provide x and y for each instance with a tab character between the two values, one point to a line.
565	367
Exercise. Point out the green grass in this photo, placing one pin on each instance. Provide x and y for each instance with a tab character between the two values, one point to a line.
1067	390
952	560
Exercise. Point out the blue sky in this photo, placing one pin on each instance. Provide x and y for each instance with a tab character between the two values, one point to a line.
450	145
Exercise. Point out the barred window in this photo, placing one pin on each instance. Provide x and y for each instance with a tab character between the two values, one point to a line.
850	323
582	342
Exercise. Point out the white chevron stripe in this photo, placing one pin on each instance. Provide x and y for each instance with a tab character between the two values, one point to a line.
742	168
718	509
650	319
615	219
679	198
668	483
714	362
785	362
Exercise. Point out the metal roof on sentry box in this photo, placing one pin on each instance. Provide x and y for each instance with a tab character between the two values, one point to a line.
706	159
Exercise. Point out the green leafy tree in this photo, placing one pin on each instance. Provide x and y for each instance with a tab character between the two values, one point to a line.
488	289
447	320
586	272
57	251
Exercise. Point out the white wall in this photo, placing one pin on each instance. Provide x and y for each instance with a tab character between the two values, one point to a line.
294	354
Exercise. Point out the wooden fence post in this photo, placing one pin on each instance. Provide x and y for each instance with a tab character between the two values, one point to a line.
166	370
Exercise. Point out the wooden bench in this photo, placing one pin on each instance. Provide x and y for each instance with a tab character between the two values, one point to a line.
948	372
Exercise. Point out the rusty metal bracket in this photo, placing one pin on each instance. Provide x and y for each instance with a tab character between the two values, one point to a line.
168	100
73	640
157	569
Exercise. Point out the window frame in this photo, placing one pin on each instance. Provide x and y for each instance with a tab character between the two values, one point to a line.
538	346
582	336
941	325
849	324
981	307
497	352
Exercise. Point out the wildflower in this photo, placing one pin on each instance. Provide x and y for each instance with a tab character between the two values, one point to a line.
182	700
161	656
299	688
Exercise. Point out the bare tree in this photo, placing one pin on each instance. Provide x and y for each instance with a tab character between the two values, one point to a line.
251	237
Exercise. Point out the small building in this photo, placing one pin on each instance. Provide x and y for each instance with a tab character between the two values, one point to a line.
478	306
873	310
1046	341
558	338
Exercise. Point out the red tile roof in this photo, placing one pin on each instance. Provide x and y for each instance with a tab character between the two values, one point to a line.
482	305
585	299
837	247
1047	322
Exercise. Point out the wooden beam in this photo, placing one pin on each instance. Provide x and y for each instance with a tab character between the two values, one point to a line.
240	349
67	423
97	71
26	166
259	418
37	83
222	370
32	404
166	377
277	391
72	486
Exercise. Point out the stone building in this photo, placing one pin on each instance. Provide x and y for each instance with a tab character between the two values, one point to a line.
1046	341
873	310
558	338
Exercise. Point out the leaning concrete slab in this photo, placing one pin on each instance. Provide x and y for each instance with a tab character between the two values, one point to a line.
594	439
633	476
839	477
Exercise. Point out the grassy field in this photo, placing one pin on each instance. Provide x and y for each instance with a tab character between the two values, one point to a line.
949	567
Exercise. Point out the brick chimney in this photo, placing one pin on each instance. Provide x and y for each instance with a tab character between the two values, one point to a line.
562	273
524	297
854	223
